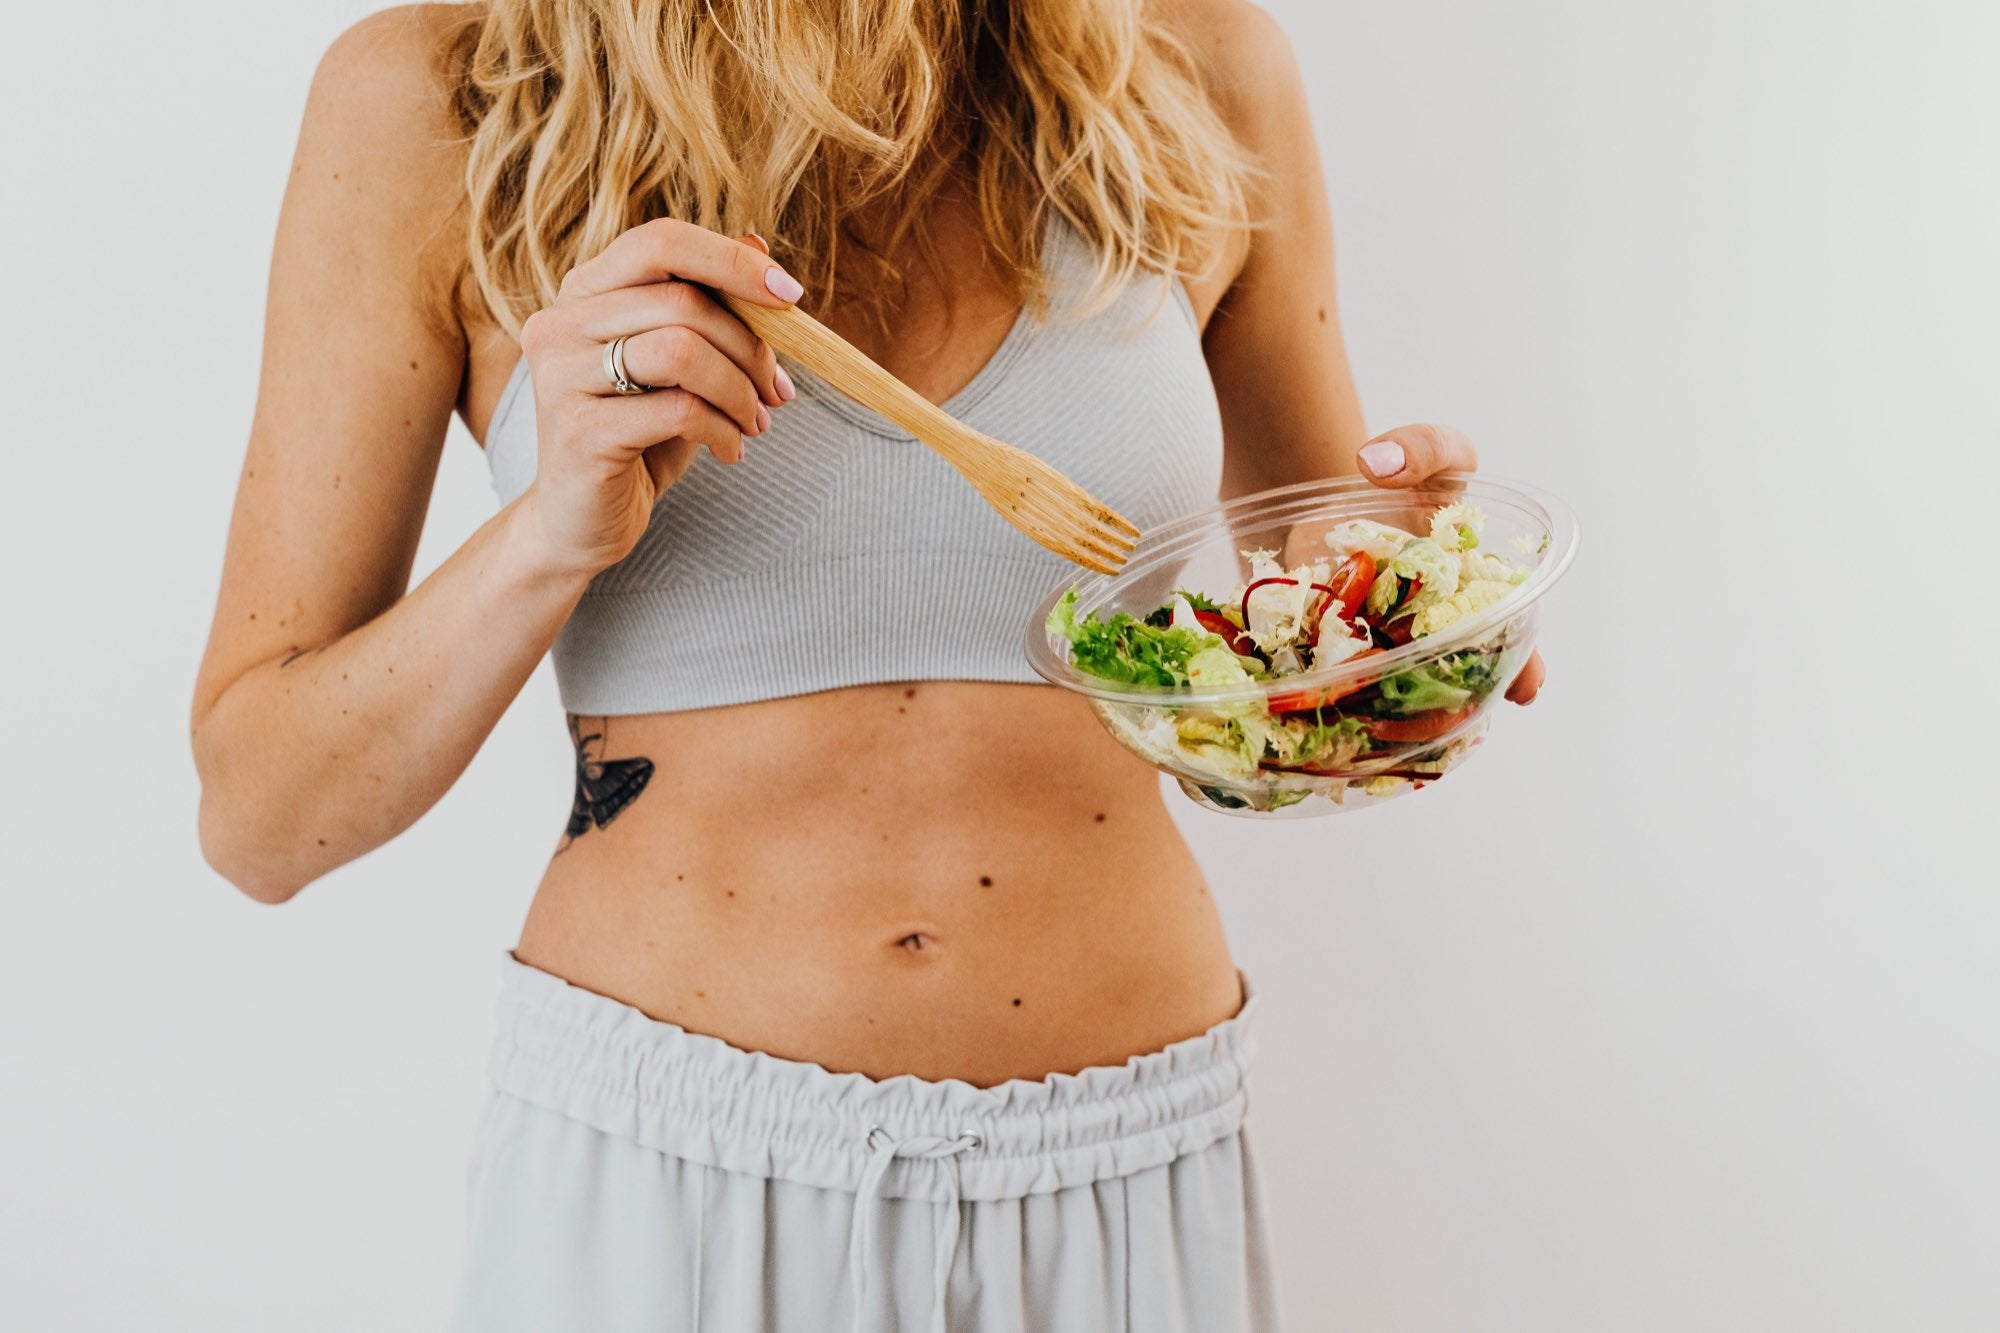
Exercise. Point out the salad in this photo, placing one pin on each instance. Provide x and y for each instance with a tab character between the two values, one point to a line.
1377	589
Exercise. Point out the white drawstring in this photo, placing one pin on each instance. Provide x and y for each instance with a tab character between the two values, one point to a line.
882	1151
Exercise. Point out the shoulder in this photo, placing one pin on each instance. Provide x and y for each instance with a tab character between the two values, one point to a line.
1243	54
1244	61
1251	75
379	172
387	86
403	52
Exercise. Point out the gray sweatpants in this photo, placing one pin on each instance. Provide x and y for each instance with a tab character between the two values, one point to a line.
630	1175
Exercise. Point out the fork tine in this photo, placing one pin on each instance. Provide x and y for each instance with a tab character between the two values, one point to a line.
1060	527
1086	530
1075	556
1087	515
1034	485
1031	508
1071	538
1079	550
1095	509
1110	517
1081	519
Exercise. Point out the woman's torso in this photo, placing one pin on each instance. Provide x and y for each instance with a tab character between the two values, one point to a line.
943	878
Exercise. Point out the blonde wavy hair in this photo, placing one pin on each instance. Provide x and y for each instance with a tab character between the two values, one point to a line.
801	119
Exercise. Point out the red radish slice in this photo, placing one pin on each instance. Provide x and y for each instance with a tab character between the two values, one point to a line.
1289	583
1319	612
1417	776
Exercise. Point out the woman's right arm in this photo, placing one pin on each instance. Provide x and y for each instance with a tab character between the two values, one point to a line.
335	705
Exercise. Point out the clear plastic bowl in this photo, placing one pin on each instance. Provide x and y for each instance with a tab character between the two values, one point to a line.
1205	552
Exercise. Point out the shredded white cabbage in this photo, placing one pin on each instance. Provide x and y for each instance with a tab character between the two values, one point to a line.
1477	565
1364	534
1472	597
1456	527
1337	641
1276	612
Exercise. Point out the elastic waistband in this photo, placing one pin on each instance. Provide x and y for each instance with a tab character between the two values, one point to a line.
698	1098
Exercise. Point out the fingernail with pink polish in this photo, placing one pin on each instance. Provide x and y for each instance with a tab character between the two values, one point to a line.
785	390
782	284
763	418
1384	458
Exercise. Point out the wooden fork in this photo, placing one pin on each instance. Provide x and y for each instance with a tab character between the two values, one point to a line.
1034	497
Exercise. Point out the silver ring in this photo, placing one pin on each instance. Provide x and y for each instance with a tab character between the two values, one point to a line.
614	369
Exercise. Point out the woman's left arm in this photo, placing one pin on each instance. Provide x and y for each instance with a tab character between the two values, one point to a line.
1273	344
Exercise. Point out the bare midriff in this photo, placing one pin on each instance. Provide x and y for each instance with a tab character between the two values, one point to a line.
948	879
941	878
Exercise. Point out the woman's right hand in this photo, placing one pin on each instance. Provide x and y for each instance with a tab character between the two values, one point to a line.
604	457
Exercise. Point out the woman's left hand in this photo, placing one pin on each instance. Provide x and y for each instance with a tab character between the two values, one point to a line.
1409	455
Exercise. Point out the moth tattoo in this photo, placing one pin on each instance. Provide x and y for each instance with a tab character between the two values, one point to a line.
604	787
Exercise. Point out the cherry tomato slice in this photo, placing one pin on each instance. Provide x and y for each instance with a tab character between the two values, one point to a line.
1348	591
1423	727
1304	701
1217	623
1351	582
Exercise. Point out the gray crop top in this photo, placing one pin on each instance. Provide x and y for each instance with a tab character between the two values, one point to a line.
842	552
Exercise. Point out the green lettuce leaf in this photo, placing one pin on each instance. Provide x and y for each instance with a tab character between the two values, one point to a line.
1337	742
1421	559
1126	649
1448	683
1161	617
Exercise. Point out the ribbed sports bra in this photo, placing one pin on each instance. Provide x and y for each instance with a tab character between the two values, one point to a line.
842	552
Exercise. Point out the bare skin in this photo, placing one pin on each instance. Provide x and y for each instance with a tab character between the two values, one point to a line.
984	887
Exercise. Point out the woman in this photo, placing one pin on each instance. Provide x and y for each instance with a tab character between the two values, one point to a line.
870	982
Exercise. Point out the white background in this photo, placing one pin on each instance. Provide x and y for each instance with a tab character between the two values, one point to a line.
1676	1010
